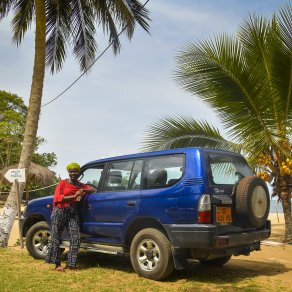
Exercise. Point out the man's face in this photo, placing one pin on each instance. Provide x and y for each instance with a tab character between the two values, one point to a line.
73	173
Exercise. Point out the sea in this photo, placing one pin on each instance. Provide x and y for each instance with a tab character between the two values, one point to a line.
276	207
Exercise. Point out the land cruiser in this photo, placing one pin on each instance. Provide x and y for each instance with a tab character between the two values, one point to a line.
163	209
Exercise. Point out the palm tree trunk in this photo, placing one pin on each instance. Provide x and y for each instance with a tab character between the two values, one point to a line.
286	203
10	209
288	219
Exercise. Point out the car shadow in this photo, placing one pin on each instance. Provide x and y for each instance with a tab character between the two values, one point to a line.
235	270
88	260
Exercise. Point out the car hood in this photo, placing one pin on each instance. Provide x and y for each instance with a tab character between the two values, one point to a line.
40	201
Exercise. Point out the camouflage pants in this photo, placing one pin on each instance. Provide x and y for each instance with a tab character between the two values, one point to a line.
62	218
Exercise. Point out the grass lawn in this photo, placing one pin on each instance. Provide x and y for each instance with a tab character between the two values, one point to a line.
20	272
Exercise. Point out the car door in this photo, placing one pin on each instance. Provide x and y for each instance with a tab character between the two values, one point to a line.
106	212
163	188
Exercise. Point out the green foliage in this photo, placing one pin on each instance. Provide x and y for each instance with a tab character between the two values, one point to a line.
45	159
13	114
175	132
247	80
12	122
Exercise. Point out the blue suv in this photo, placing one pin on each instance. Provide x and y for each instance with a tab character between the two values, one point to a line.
163	209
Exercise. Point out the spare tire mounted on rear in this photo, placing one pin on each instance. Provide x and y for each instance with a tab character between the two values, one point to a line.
252	202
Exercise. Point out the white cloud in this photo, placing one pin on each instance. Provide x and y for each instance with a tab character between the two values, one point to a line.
175	12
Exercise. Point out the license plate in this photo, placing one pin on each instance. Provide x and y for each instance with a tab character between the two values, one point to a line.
223	215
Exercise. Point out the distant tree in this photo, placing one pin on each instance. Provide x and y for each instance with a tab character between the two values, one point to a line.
58	24
247	80
12	122
13	114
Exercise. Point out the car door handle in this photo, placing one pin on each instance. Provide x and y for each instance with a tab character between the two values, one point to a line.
131	203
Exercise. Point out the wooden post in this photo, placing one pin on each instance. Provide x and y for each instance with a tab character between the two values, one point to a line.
26	195
19	212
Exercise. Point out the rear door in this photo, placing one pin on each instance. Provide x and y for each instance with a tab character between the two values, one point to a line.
106	212
224	171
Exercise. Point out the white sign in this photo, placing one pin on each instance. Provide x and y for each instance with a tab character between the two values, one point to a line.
13	174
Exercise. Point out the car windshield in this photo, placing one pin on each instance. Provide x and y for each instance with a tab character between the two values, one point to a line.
226	169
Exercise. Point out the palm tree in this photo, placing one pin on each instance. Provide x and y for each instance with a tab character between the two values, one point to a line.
247	80
58	24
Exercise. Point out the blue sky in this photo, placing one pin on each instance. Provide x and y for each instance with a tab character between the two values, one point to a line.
107	112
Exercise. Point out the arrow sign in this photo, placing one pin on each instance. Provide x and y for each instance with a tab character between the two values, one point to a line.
12	174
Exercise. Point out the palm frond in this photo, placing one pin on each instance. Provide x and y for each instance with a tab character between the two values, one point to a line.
124	16
58	28
283	60
140	13
83	29
5	6
177	132
105	16
24	12
120	15
216	70
75	22
284	18
260	38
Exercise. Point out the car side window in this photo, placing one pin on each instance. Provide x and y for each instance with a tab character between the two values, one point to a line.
91	176
118	176
135	180
163	171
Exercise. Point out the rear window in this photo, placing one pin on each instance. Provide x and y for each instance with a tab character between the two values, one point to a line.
226	169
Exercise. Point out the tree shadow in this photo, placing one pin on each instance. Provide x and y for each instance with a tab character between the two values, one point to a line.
234	271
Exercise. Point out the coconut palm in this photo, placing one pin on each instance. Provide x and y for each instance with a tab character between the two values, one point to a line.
59	24
247	80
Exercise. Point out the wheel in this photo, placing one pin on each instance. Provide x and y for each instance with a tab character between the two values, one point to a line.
37	240
252	202
216	262
151	255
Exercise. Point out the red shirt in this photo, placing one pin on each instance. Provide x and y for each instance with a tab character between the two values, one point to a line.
64	188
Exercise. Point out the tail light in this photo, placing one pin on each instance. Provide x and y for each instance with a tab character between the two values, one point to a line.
204	209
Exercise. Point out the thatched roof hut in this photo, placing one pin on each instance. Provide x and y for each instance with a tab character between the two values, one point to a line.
37	173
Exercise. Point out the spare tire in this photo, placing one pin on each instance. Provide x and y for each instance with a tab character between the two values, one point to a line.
252	202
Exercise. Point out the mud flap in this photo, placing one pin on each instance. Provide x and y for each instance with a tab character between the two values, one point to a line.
180	257
246	250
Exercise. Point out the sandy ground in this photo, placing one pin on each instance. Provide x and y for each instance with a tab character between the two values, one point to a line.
272	264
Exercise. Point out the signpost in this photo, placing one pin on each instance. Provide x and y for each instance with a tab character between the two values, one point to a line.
16	176
12	174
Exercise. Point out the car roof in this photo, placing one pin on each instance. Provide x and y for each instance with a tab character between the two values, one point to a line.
158	153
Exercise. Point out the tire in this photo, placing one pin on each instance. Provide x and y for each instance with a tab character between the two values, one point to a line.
216	262
151	255
37	240
252	202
